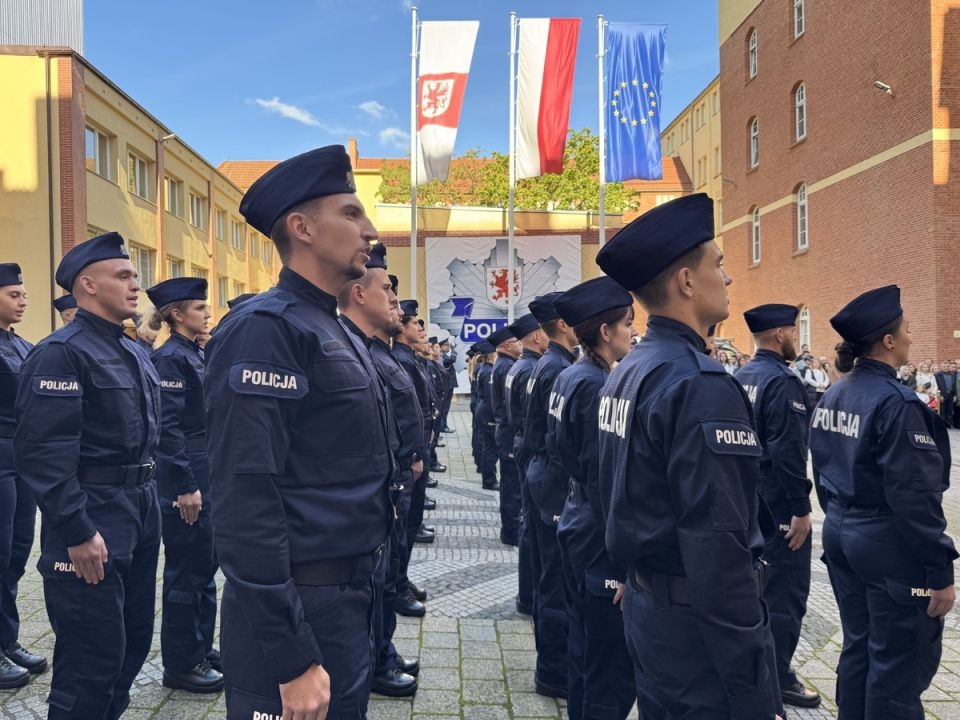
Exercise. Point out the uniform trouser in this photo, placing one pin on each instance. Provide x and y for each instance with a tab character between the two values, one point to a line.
488	453
415	517
551	608
525	565
787	589
475	434
445	409
189	594
676	677
18	517
509	486
103	631
341	618
891	649
395	579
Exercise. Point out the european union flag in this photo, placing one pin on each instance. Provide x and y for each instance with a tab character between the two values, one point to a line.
634	65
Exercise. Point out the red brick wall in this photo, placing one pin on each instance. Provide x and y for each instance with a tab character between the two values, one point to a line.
73	174
392	239
890	224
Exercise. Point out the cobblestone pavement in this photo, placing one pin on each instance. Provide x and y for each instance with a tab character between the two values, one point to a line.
477	654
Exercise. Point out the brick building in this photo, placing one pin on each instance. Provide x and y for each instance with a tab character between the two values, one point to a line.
841	150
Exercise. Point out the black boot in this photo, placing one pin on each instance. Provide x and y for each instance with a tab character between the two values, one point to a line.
394	683
407	605
420	595
213	657
19	655
201	678
12	675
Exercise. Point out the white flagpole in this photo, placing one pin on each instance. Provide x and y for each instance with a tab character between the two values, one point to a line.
413	153
601	125
513	161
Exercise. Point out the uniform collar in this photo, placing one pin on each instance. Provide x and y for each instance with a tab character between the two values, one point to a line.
874	367
664	327
403	347
505	355
531	354
558	348
771	355
184	340
379	343
352	327
300	286
98	324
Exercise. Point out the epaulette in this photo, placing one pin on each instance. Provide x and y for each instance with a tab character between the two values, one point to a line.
908	394
273	302
63	335
707	364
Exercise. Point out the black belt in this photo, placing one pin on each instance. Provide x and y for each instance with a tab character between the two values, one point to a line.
7	431
112	475
196	444
339	571
675	589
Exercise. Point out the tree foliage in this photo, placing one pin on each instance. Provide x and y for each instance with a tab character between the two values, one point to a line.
484	181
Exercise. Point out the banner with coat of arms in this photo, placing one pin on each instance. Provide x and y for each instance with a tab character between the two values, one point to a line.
468	288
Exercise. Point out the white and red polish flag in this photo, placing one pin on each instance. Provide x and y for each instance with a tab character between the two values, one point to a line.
548	55
446	49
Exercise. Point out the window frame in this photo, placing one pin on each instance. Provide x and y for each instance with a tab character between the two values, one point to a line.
198	210
755	254
753	54
799	18
803	326
135	177
175	267
219	218
102	145
755	143
803	218
800	112
144	259
222	287
173	196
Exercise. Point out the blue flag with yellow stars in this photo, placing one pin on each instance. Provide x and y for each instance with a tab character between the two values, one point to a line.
634	65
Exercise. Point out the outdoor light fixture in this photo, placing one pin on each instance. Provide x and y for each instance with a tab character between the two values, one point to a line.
165	138
880	85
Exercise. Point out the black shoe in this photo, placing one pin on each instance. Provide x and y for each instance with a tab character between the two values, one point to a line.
429	529
524	608
213	657
424	537
18	655
201	678
440	445
431	483
448	430
799	696
437	468
548	690
394	683
509	540
429	504
495	486
12	675
420	595
407	605
410	667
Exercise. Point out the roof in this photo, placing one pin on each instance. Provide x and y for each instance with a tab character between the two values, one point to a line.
674	178
243	173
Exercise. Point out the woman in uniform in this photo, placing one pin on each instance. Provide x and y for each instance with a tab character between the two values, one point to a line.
189	591
883	462
600	681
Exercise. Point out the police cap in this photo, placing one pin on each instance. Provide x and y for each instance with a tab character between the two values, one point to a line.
583	301
239	300
772	315
102	247
378	257
409	307
394	283
648	245
542	307
501	335
434	340
317	173
177	289
866	314
485	347
64	303
523	326
10	274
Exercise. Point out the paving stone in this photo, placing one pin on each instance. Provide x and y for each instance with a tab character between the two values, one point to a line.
439	679
520	659
441	640
437	702
392	709
517	641
533	705
486	712
483	669
485	691
440	657
478	633
489	650
520	681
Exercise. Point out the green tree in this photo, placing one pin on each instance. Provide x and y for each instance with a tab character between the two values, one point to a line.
476	180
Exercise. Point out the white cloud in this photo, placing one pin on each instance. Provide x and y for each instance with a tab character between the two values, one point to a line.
395	137
405	5
288	111
374	109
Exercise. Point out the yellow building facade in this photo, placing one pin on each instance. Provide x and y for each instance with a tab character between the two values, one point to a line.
79	157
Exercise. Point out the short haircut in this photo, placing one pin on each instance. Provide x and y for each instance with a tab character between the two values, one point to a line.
551	328
278	233
655	293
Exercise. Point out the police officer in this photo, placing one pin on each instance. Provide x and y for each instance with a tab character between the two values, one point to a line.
410	598
679	467
533	345
299	457
779	409
183	487
18	509
88	414
448	357
600	680
368	307
484	416
883	460
547	487
507	354
66	305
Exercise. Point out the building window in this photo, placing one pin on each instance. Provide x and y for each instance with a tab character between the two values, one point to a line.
138	176
222	291
803	326
238	288
716	161
754	142
199	272
220	219
803	241
144	260
716	102
236	236
93	231
798	18
173	196
752	54
267	252
755	237
800	110
174	267
99	153
254	245
661	199
198	210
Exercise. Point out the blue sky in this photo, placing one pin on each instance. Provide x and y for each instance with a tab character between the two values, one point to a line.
249	79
